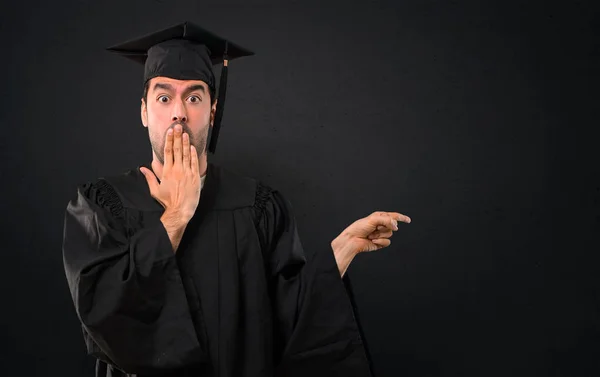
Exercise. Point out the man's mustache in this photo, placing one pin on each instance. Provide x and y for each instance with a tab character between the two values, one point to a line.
184	127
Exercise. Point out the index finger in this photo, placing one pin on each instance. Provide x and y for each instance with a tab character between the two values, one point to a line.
400	217
168	150
388	219
393	215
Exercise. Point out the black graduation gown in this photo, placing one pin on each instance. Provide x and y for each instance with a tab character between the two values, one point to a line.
241	297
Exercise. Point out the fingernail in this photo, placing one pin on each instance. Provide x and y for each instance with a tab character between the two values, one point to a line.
170	131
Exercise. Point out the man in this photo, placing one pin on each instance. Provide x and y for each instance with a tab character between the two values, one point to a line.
183	268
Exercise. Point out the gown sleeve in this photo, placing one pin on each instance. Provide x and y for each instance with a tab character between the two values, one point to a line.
317	333
126	286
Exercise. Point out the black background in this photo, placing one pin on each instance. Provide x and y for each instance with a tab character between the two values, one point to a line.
477	119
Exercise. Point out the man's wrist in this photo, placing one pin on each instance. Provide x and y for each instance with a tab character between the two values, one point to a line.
343	252
175	226
173	219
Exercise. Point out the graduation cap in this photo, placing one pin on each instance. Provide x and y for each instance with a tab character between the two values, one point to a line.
185	52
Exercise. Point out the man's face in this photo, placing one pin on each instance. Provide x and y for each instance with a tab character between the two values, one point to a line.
170	102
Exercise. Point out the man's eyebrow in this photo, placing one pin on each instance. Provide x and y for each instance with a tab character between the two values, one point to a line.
160	85
193	88
169	87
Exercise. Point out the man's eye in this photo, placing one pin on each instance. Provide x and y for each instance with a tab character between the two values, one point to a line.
163	99
194	99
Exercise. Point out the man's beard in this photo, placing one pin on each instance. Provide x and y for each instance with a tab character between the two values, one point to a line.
198	140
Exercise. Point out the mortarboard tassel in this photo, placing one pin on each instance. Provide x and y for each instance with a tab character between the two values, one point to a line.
220	104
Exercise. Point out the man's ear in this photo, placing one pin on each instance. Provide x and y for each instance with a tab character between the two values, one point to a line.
144	113
213	111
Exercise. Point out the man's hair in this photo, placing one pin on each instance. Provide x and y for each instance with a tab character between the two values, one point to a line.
147	86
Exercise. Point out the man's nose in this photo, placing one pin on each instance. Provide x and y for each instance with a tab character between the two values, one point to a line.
179	113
